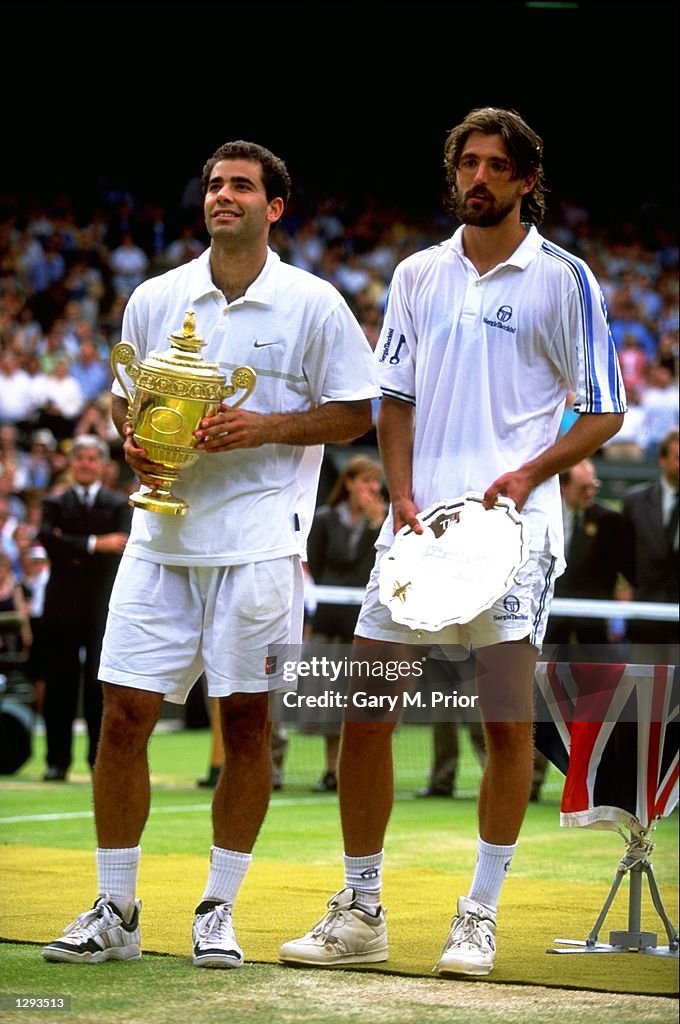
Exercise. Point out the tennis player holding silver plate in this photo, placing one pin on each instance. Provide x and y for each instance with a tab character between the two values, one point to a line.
483	338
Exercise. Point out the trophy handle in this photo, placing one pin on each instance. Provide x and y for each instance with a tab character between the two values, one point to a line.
123	353
243	377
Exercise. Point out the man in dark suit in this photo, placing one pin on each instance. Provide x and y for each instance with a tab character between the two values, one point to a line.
594	550
651	518
84	531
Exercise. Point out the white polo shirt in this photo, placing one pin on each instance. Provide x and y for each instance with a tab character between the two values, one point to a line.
298	334
488	362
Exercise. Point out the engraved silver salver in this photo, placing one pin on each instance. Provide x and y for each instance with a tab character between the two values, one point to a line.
465	559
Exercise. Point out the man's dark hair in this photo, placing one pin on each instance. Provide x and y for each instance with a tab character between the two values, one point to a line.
666	442
525	150
275	174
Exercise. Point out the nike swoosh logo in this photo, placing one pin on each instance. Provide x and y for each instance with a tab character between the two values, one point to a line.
263	344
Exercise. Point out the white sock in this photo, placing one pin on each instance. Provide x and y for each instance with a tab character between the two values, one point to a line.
364	875
493	864
117	874
227	870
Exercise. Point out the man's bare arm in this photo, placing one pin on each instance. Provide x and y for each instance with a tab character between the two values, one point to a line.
119	413
230	429
588	433
395	441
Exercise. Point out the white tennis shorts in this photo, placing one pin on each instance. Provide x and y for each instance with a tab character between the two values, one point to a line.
169	623
521	612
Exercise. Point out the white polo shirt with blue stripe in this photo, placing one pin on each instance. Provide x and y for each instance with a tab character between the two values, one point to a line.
488	362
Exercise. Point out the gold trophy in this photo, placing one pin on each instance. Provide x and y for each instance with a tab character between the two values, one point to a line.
174	391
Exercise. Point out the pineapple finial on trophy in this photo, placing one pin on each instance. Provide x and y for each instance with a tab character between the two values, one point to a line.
186	339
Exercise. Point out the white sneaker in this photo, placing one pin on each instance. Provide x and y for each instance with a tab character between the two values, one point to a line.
345	935
97	935
215	943
471	945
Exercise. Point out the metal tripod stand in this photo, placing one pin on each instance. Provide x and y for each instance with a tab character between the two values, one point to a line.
635	863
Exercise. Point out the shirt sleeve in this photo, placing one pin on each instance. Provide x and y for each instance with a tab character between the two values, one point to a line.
338	361
134	330
593	363
396	348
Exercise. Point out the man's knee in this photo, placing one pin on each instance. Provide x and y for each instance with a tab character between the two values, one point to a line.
357	737
246	721
129	715
507	736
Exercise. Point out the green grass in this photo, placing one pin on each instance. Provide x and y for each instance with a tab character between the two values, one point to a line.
167	990
60	815
437	833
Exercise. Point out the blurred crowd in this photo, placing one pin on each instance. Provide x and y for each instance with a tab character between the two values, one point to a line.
67	272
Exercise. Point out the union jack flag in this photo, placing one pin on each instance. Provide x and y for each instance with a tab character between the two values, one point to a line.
612	730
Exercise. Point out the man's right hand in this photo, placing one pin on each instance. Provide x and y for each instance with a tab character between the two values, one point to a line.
405	513
138	460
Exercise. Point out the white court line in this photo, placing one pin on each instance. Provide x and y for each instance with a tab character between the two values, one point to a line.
74	815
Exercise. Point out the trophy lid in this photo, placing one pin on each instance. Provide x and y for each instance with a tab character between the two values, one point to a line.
184	354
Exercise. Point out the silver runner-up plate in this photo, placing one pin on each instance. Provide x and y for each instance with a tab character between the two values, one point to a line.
464	560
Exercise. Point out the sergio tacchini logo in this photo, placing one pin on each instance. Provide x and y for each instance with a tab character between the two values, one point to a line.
503	315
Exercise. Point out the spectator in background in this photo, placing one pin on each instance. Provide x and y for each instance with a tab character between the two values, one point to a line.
650	513
93	375
16	636
15	503
84	283
62	401
668	352
12	459
340	553
33	576
17	399
26	332
633	362
40	462
352	276
659	404
48	267
183	249
129	265
111	321
626	320
84	531
96	419
59	342
151	233
594	550
626	445
24	537
369	315
8	524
